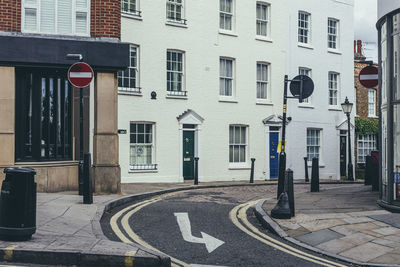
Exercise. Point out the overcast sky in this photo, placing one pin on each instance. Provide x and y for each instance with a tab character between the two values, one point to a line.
365	17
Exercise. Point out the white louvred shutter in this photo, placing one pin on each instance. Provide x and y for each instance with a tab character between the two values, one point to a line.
30	19
47	16
64	16
81	16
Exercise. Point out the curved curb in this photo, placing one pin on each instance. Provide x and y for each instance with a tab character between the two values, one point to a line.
270	224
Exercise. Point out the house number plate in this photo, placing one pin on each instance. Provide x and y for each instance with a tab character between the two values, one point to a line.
186	159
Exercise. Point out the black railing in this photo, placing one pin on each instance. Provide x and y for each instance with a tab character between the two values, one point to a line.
128	90
133	12
143	167
177	20
177	93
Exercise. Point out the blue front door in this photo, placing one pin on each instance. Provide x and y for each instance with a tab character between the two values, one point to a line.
273	155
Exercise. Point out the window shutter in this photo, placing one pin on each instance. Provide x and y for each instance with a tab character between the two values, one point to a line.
81	16
47	18
64	22
30	19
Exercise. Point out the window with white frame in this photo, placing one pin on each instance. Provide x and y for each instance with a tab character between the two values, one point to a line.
307	72
226	81
175	11
130	7
262	80
313	143
371	102
333	81
226	13
175	84
365	144
262	21
333	30
238	143
69	17
304	30
142	146
128	79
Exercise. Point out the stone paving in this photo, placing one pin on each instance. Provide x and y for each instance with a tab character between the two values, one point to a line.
345	221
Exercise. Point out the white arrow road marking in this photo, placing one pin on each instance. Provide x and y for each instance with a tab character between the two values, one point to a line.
184	225
202	265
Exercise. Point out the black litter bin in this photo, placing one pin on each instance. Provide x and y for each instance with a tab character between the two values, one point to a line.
18	204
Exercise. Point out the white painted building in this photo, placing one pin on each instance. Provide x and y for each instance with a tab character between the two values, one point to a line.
216	69
320	45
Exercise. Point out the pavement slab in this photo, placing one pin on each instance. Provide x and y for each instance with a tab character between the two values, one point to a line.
366	252
318	237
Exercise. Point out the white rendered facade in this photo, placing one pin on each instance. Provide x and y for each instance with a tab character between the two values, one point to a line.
327	55
217	68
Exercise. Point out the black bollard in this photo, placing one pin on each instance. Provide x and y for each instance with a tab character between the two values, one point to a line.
282	209
281	178
290	190
87	180
306	169
80	178
196	170
315	175
252	171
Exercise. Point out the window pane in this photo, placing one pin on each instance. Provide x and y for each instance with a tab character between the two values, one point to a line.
81	22
30	19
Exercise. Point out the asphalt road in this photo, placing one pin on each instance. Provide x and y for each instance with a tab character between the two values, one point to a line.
175	225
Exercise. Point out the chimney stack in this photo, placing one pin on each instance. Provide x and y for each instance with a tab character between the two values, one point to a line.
358	54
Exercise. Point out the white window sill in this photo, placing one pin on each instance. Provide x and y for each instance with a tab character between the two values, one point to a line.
264	102
131	16
264	39
239	166
334	51
373	117
143	171
176	24
305	105
335	108
304	45
227	99
226	32
121	91
176	97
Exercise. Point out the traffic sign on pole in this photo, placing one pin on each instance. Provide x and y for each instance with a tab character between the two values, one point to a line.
80	74
369	76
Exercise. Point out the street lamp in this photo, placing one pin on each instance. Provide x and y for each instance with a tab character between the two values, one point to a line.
347	107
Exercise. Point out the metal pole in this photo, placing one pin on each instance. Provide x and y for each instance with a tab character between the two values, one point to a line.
87	180
252	171
350	165
196	170
290	191
282	155
80	176
306	169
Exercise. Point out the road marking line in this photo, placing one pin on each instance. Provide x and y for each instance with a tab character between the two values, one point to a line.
129	257
254	229
239	212
8	252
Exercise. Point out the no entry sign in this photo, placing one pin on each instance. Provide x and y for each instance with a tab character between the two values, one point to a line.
369	76
80	74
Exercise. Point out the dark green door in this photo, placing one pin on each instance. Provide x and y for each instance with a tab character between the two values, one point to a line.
188	155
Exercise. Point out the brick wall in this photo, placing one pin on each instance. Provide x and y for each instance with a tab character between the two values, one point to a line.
362	93
105	18
10	15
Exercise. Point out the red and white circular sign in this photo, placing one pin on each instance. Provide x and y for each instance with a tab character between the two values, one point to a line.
80	74
369	76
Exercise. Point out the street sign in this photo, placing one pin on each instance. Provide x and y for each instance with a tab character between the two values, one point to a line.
80	74
302	86
369	76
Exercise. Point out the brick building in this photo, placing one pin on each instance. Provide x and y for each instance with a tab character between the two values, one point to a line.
40	111
367	112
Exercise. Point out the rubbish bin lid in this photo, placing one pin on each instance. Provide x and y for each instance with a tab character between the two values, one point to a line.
19	170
